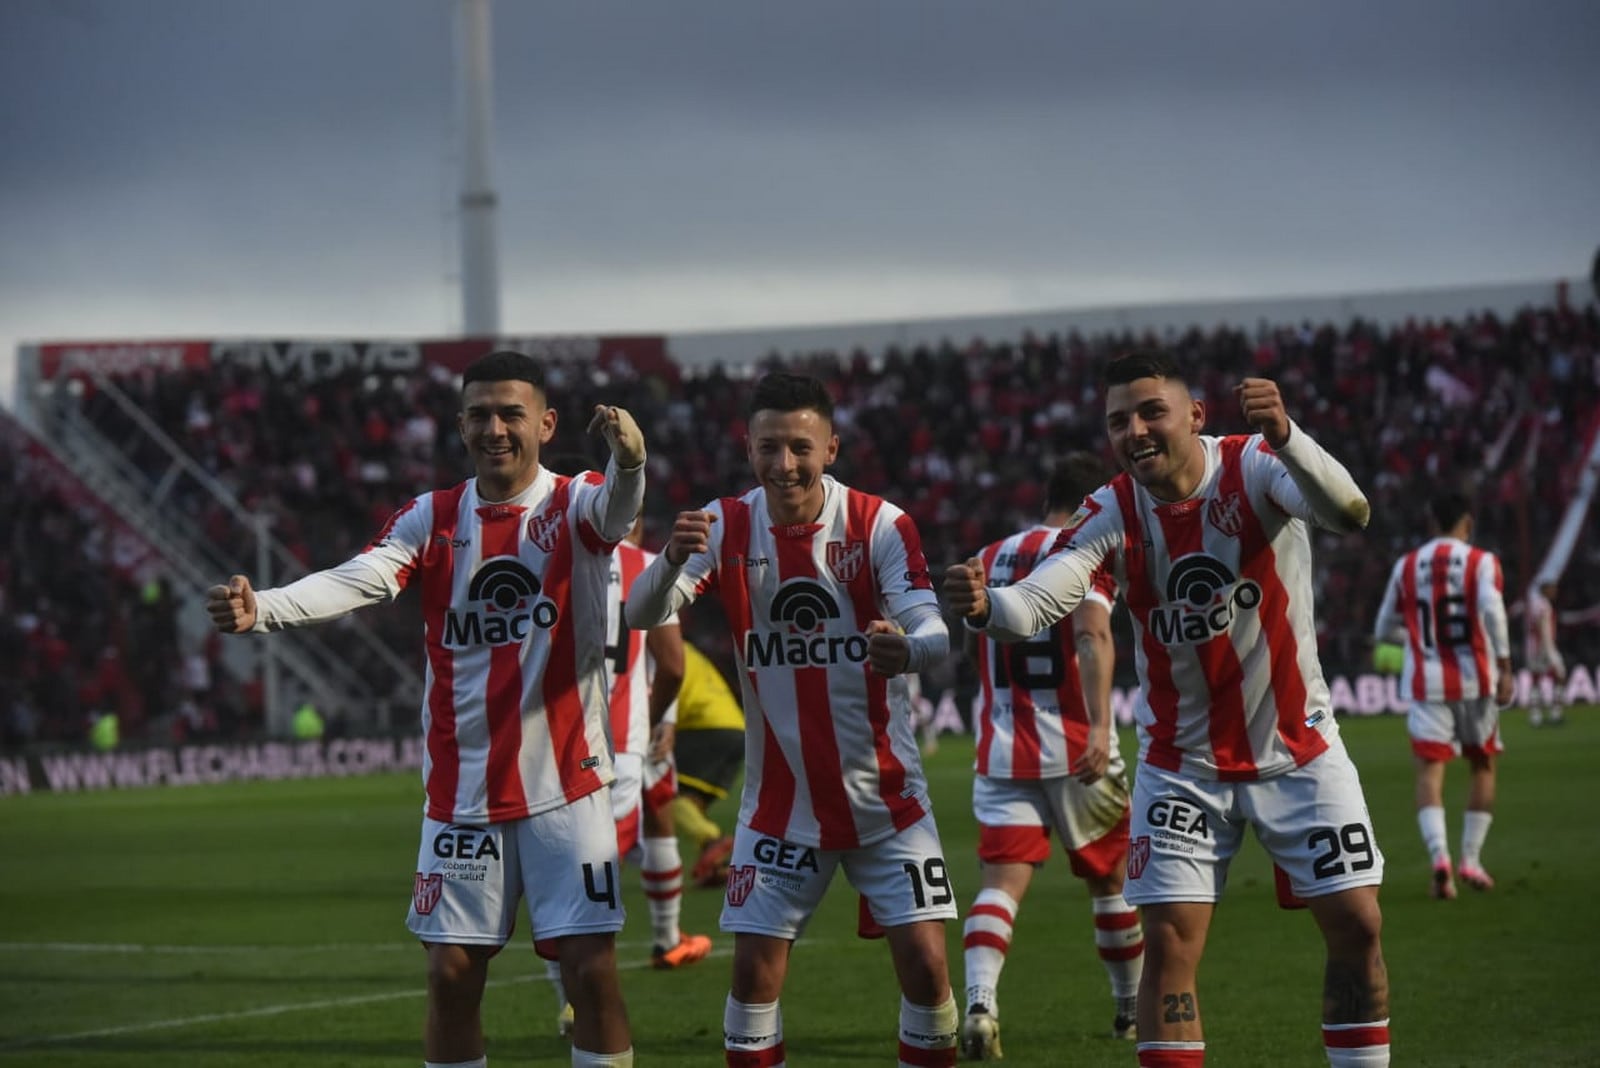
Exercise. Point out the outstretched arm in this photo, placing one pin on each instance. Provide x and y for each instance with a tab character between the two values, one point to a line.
1326	489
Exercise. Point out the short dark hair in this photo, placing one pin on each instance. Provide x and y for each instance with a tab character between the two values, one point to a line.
1142	363
1075	476
1449	508
784	391
505	365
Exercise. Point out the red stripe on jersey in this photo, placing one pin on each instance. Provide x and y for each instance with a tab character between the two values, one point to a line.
1479	644
1183	530
438	575
1355	1037
1440	565
860	519
819	745
403	576
987	651
563	701
1143	598
775	799
501	530
1025	747
629	562
1260	564
1409	606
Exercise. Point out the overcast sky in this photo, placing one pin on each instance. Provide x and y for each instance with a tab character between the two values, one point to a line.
290	167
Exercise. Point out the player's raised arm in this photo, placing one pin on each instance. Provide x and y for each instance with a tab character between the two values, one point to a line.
1329	494
619	502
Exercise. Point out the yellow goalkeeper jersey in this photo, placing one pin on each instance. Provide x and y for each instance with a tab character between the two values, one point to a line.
705	702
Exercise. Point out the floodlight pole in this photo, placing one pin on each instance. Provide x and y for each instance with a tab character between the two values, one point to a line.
480	267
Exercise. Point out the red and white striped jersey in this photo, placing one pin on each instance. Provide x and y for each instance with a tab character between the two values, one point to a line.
831	759
514	611
633	668
1539	634
1031	718
1448	598
1219	588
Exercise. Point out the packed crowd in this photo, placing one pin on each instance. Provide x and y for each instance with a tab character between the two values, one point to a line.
960	435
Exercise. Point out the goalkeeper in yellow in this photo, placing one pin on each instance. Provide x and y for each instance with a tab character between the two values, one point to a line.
710	754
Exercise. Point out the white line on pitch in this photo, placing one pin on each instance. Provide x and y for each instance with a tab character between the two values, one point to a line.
279	1010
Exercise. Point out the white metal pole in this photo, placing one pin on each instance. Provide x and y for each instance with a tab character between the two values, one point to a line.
480	266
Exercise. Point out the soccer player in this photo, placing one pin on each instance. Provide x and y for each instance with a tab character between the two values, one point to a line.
1208	540
1444	605
1047	758
710	753
1546	703
830	602
512	566
647	674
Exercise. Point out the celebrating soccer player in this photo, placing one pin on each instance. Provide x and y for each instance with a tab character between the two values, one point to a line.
513	566
830	601
1208	540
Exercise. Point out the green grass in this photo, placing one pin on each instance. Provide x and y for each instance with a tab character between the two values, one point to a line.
262	925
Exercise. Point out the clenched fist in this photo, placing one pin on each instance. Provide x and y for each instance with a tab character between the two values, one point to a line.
232	607
964	591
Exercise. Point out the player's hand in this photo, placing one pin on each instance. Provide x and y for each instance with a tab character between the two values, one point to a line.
616	425
691	533
888	652
1263	409
964	591
663	736
232	607
1505	689
1096	755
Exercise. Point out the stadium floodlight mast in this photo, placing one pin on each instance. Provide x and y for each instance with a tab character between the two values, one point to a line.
480	265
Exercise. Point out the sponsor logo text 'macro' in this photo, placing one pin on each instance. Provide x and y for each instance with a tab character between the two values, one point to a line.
799	635
504	605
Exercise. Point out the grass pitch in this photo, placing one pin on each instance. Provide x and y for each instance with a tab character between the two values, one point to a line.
261	925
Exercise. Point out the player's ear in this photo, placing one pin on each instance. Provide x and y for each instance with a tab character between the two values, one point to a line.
547	426
833	450
1197	415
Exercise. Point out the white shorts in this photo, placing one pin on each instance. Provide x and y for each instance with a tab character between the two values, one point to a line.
1446	730
470	878
639	783
1312	821
1016	816
774	886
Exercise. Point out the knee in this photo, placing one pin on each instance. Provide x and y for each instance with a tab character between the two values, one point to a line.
588	961
1356	930
453	970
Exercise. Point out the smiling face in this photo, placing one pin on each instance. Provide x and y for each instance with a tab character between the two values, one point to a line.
503	424
1155	427
788	452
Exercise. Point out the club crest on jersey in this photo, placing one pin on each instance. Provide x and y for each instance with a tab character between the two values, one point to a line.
741	880
1138	855
1226	514
504	605
1203	598
425	895
799	637
545	530
845	559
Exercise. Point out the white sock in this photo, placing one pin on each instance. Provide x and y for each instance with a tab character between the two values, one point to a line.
1474	829
1430	820
661	874
985	940
752	1029
584	1059
1119	937
552	972
928	1027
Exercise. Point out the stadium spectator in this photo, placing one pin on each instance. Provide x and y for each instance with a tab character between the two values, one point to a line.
830	599
1445	605
512	810
1048	759
1208	539
1546	703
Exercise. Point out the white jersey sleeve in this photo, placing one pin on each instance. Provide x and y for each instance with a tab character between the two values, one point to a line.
1058	585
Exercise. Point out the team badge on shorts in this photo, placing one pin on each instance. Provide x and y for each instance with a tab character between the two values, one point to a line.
741	880
1138	855
845	557
426	893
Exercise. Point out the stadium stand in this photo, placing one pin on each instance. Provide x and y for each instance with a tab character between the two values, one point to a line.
959	434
